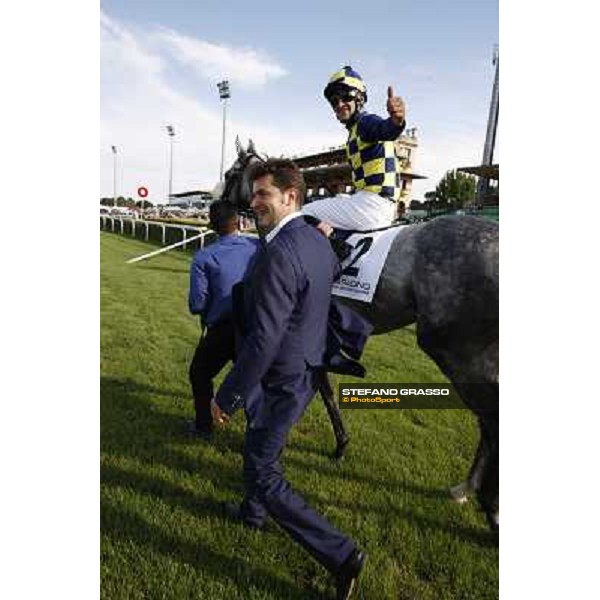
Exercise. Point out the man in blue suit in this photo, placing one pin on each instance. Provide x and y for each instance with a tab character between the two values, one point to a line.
286	304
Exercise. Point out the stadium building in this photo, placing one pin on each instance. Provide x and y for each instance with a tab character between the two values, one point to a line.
328	172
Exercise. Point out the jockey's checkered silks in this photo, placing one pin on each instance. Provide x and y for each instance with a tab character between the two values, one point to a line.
375	166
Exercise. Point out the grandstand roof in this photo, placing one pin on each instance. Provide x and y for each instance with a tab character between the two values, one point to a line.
485	171
191	193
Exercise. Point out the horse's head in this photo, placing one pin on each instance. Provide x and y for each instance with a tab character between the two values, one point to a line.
237	188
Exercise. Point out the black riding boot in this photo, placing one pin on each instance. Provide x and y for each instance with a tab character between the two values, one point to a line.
339	244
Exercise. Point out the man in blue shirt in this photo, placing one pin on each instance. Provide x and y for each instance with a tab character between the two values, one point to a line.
213	273
371	154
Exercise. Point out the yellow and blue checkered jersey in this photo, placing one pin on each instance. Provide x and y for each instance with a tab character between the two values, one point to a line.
372	156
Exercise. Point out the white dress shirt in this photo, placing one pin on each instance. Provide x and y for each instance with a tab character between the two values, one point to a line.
269	237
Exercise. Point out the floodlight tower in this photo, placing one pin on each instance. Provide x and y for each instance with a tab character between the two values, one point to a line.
114	151
171	134
490	136
224	94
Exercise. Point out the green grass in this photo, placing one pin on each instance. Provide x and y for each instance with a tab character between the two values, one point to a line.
162	534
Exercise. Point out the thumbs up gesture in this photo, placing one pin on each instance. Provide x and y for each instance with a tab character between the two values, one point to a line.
395	107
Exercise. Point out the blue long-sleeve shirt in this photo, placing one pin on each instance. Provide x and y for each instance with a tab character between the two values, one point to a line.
373	128
214	272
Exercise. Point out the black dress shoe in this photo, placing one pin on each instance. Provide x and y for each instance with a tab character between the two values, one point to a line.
348	574
233	512
192	430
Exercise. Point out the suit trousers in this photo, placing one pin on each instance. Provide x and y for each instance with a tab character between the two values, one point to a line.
214	351
268	492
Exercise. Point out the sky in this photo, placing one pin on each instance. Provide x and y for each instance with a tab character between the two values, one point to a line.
161	61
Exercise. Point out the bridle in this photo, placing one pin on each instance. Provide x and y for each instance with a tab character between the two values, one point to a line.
236	190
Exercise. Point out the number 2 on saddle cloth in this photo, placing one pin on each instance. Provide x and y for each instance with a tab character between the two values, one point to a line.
343	249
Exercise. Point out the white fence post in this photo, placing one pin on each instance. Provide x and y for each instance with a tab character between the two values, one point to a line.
165	249
186	238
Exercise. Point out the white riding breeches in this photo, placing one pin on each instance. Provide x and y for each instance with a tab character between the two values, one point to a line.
358	212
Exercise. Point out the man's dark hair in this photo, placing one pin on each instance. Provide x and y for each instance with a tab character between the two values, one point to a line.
286	175
222	216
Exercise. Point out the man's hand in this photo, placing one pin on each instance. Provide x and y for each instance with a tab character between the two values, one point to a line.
325	228
395	107
219	417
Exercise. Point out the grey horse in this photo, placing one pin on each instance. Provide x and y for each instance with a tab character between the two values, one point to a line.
442	275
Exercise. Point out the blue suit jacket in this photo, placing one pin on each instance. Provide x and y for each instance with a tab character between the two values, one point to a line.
286	305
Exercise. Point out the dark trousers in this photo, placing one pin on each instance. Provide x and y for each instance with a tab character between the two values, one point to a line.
214	351
267	492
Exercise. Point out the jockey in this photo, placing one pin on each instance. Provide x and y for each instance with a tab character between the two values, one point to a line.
371	153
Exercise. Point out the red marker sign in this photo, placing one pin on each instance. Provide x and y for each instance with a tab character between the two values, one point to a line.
142	192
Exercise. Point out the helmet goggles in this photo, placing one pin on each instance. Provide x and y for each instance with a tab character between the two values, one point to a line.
343	94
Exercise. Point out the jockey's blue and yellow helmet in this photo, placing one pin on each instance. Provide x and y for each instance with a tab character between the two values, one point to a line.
343	80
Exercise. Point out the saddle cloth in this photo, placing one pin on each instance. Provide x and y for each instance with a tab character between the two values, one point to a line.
362	269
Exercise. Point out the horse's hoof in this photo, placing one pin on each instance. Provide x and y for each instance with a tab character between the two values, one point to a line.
460	493
341	448
494	521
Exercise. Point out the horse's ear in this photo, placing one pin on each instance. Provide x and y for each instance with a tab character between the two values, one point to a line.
238	146
251	148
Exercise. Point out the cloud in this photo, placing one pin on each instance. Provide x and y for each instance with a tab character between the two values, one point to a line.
140	96
121	50
245	66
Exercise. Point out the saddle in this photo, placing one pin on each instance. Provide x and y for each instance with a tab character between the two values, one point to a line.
339	236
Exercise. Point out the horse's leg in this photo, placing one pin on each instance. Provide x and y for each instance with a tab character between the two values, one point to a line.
462	364
333	410
481	458
488	488
482	399
461	492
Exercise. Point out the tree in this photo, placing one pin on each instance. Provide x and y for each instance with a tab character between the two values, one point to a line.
144	204
456	189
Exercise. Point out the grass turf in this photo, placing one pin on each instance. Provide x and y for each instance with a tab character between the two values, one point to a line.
162	533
